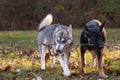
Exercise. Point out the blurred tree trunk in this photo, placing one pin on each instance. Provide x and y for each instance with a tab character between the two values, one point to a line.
26	14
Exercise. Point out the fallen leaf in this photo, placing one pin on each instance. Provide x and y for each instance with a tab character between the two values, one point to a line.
28	76
47	57
1	68
12	70
33	79
14	78
18	70
7	68
29	52
100	79
39	78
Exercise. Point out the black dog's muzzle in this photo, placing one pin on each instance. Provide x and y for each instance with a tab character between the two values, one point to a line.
95	44
101	46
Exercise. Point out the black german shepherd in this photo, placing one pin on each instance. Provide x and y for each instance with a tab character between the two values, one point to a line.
94	37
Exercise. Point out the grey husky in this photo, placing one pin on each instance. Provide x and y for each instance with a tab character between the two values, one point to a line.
59	40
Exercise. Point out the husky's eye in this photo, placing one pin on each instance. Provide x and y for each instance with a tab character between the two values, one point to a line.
63	40
58	39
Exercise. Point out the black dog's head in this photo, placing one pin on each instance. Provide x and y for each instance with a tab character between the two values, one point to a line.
94	34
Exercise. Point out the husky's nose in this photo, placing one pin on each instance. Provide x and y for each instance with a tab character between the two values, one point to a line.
58	51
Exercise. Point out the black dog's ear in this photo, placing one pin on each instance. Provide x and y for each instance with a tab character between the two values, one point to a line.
101	27
86	28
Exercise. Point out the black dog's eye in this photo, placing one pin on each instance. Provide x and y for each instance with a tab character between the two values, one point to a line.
99	36
88	35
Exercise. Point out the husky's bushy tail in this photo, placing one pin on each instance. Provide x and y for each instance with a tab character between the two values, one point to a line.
45	22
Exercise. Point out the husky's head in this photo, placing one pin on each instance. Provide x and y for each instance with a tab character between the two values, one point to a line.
94	34
63	38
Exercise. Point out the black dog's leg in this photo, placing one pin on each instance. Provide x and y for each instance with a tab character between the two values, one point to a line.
82	50
100	65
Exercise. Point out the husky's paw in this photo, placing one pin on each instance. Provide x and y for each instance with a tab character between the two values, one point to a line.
92	65
53	66
67	73
42	68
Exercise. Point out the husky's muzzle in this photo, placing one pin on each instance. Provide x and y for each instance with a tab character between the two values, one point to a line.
60	48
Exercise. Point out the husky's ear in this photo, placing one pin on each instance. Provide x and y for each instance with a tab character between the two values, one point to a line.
70	28
58	24
101	27
58	27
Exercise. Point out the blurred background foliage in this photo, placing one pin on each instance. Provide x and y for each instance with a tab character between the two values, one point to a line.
27	14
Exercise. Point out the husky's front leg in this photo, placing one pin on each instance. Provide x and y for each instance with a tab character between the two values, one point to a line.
64	65
53	62
42	55
52	58
66	58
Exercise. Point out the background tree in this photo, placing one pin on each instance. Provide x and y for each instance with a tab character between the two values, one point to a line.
26	14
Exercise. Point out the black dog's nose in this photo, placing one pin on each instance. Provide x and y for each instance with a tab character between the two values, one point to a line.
101	46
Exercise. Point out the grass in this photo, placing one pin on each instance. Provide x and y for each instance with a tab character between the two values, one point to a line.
26	39
19	58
